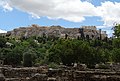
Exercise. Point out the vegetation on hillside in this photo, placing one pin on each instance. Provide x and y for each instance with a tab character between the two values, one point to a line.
47	50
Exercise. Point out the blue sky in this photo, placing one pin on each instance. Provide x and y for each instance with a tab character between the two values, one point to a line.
14	13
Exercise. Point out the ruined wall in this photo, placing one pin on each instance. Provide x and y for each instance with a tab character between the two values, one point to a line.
45	74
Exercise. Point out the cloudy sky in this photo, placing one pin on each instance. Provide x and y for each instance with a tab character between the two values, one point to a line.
68	13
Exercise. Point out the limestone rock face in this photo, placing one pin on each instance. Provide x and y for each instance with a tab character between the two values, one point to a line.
57	31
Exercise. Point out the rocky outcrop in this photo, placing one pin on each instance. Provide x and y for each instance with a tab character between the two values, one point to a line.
57	31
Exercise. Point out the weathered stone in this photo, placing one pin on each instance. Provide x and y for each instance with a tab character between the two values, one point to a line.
89	32
38	77
37	74
80	66
51	79
2	77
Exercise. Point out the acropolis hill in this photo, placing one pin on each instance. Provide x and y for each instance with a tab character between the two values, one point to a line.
90	32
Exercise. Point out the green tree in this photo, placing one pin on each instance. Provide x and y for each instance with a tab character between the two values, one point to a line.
29	57
11	56
27	60
6	54
116	29
54	54
116	42
86	54
2	41
116	55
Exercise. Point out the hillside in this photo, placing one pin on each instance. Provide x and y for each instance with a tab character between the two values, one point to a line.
57	31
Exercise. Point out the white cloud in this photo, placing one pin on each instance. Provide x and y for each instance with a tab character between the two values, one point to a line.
110	33
72	10
2	2
88	0
104	26
108	30
109	12
34	15
3	31
6	6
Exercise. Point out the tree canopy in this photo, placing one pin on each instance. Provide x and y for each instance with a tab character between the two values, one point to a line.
45	50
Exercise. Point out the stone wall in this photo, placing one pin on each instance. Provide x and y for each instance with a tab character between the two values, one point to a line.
61	74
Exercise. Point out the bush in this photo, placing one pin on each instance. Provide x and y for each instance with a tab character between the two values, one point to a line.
53	65
27	60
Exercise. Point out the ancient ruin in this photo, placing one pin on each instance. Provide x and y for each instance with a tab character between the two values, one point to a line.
88	32
43	73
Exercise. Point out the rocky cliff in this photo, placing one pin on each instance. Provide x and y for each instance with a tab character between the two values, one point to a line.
56	31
